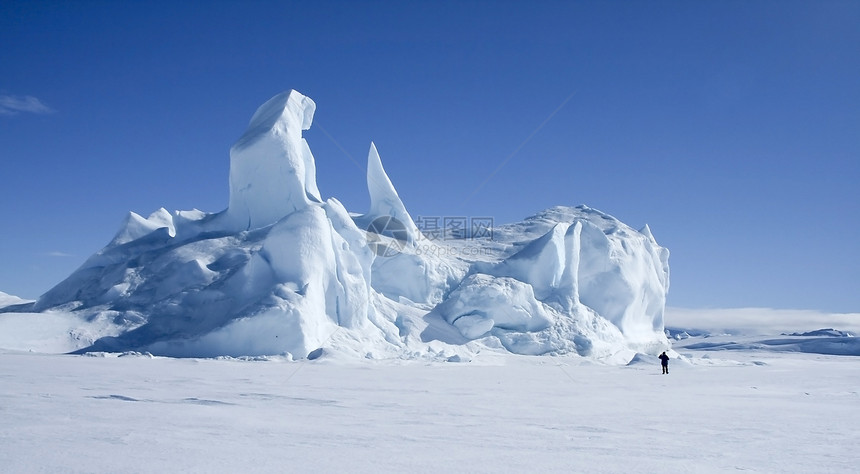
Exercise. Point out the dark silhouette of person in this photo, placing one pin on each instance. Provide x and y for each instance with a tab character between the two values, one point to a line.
664	361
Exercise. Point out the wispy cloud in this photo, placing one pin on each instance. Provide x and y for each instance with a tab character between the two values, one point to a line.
759	320
58	254
13	105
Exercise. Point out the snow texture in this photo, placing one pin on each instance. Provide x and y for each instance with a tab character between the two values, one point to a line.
284	271
715	412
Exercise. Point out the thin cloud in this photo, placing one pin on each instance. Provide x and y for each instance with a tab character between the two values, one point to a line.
59	254
13	105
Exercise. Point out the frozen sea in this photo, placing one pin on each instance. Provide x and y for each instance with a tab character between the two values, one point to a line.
716	411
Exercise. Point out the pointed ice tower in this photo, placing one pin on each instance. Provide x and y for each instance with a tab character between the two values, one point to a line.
384	200
272	170
405	270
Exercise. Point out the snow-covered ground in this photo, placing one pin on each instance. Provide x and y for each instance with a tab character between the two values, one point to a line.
715	411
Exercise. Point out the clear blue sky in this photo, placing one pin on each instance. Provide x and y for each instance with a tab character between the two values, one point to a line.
731	127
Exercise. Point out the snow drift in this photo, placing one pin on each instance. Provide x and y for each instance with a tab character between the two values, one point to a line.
284	271
9	300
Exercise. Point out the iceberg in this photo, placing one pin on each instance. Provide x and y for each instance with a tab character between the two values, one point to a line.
284	271
272	170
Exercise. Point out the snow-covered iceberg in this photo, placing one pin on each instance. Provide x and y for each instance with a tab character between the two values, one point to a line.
284	271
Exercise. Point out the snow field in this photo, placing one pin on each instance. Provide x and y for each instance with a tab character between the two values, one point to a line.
760	412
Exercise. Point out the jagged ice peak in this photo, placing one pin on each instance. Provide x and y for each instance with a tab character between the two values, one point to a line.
283	271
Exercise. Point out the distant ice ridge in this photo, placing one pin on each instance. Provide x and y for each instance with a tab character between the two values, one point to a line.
284	271
8	300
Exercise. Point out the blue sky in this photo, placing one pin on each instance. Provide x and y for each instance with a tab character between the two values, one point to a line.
731	128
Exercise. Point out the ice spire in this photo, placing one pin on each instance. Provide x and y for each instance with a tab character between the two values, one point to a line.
272	170
384	200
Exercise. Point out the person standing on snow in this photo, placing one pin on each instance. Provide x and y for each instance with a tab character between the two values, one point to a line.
664	361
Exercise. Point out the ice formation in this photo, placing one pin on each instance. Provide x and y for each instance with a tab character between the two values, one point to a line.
9	300
384	200
283	271
272	170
